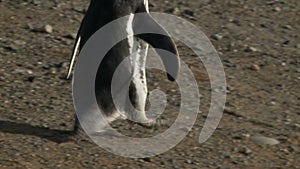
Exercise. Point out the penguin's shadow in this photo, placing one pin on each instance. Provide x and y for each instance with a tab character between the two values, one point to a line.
57	136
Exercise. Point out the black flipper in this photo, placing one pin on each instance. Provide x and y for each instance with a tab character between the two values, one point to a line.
158	38
76	49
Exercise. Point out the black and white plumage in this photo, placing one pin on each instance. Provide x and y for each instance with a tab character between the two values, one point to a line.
100	13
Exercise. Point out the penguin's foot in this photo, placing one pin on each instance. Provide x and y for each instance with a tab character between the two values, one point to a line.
151	123
78	134
105	133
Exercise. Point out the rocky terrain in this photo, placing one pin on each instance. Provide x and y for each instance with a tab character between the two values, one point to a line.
257	41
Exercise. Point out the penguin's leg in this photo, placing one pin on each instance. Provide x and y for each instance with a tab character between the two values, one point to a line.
78	132
138	85
138	88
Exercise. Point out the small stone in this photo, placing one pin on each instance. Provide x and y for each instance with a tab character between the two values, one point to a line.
238	137
217	36
264	140
263	25
36	2
188	161
245	151
65	64
11	47
228	156
174	11
277	9
47	66
29	72
48	28
230	88
18	71
251	49
188	12
30	26
287	27
252	24
246	135
255	67
147	159
286	42
19	42
72	36
31	78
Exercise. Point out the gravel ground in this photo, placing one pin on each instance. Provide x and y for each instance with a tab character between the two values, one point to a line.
258	43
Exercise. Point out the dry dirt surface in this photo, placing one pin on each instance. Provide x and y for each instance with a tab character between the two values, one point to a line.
257	41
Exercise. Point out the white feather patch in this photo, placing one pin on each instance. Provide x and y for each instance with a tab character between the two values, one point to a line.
146	3
73	57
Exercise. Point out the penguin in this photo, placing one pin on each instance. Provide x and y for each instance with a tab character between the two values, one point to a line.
100	13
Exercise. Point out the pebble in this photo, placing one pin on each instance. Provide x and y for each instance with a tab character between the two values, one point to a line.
18	71
217	36
230	88
188	161
48	28
36	2
41	29
255	67
286	42
188	12
277	9
246	135
31	78
245	151
11	47
263	25
72	36
264	140
147	159
19	42
252	24
287	27
30	26
174	11
251	49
